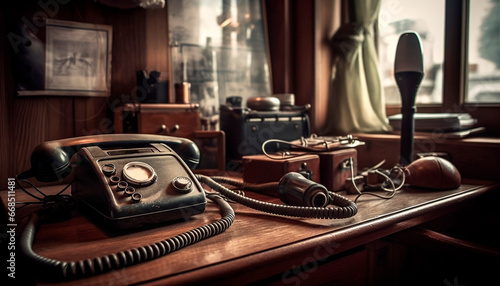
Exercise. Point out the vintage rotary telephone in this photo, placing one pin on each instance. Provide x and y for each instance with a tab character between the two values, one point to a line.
116	176
134	180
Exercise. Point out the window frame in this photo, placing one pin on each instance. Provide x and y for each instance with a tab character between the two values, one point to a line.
455	72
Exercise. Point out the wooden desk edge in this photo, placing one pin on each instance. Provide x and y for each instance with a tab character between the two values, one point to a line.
258	266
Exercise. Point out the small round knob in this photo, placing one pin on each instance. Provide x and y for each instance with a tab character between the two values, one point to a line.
182	184
122	185
113	180
108	169
166	130
136	197
129	191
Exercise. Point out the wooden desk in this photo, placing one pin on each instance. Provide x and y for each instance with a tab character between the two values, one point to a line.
258	247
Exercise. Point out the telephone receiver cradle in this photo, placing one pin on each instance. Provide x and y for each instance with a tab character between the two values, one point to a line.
128	180
50	161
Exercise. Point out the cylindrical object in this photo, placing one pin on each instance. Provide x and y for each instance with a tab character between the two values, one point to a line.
122	185
264	103
408	71
182	92
182	184
113	180
407	133
408	83
234	101
129	191
295	189
136	197
108	169
286	99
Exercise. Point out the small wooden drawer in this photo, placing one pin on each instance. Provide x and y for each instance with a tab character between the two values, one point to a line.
181	124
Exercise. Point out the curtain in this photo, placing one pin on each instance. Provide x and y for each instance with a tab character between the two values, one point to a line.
355	96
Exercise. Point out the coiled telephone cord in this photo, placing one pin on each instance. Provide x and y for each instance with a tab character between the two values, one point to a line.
53	268
67	270
344	207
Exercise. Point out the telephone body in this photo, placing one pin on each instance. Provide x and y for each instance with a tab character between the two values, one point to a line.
127	181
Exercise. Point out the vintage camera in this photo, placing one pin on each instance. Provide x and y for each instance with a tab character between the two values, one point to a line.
263	118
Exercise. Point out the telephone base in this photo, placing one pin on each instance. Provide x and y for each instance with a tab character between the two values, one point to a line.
136	187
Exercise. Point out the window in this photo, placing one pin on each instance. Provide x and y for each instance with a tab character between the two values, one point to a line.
219	49
398	16
483	77
461	45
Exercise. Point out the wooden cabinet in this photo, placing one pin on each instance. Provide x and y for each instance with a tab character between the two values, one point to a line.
181	124
178	120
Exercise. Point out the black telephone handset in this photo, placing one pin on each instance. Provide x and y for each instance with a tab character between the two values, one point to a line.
128	180
50	161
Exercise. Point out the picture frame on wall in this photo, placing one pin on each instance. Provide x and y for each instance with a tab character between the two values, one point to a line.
77	60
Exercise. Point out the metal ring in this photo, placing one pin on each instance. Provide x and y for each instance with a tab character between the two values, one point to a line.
136	197
108	169
122	185
182	184
113	180
139	173
129	191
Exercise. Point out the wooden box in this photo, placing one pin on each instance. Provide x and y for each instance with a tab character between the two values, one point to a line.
335	168
261	169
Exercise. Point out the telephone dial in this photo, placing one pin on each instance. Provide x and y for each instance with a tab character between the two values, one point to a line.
134	180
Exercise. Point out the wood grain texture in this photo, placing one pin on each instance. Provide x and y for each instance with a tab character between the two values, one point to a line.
257	243
473	157
280	44
139	42
5	136
36	121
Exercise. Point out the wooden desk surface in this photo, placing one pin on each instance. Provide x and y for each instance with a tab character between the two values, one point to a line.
254	247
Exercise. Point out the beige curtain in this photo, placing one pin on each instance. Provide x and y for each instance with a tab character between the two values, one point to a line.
355	99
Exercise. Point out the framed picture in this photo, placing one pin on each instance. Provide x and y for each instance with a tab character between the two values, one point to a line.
77	60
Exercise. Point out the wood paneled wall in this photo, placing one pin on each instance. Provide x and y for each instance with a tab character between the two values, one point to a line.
299	40
140	42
